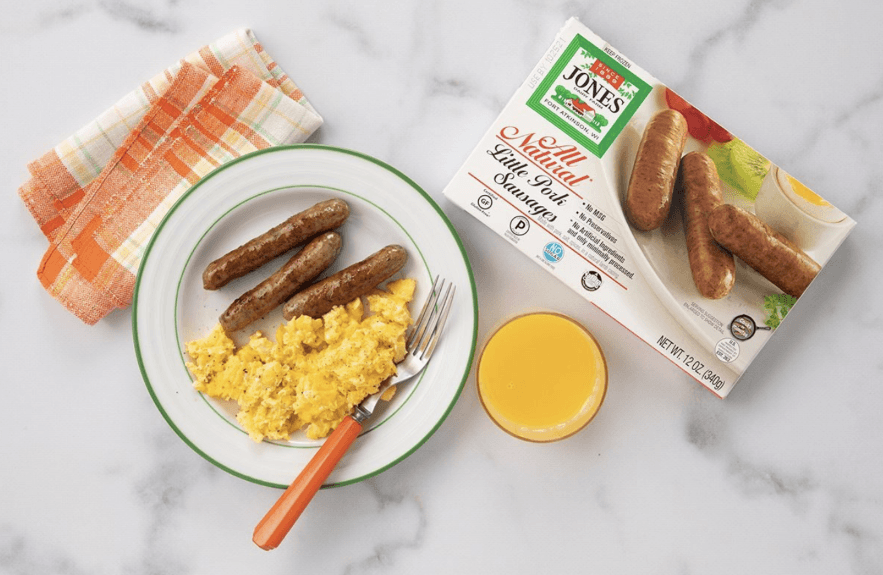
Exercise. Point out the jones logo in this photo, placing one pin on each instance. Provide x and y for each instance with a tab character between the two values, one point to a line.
589	95
595	90
553	252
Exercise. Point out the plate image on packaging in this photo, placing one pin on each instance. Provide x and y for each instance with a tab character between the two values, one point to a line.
745	181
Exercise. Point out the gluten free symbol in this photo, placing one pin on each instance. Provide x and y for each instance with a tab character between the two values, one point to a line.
485	202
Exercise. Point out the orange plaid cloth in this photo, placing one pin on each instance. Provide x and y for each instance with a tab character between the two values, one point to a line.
99	220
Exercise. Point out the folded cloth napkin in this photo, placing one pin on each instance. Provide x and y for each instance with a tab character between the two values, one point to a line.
99	195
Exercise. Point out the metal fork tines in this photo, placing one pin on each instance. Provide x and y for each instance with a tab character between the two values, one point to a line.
427	329
420	343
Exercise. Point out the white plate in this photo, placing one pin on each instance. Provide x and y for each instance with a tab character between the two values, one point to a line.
244	198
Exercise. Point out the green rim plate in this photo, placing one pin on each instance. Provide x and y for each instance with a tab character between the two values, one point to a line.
240	200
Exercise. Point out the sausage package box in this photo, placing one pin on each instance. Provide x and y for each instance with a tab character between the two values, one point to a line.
653	212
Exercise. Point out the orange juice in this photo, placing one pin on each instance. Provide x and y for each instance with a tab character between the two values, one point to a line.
542	377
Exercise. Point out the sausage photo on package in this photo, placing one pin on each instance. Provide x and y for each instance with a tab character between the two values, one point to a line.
713	267
768	252
651	184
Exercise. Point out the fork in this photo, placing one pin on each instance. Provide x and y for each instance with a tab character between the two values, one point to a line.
420	343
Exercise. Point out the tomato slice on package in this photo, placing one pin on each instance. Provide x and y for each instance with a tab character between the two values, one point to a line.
718	134
675	102
699	125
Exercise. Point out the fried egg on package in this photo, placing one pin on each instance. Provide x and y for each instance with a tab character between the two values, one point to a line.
315	372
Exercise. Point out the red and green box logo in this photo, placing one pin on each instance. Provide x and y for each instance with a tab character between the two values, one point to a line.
589	95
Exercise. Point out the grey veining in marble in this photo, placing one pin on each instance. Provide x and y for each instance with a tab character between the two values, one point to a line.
781	477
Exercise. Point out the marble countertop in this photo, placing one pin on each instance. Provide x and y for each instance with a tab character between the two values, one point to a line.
783	476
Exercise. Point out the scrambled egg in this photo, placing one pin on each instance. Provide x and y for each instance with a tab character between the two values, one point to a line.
315	372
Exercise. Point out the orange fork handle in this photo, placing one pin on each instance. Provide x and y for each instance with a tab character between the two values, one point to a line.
275	525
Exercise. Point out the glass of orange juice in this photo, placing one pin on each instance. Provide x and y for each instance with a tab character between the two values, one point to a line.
541	376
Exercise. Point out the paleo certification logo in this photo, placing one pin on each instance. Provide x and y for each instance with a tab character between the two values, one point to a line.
519	225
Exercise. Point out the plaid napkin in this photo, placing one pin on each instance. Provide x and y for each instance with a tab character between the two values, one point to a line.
99	195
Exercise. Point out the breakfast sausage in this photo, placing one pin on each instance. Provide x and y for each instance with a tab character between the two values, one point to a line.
770	253
303	267
347	284
713	268
292	232
648	198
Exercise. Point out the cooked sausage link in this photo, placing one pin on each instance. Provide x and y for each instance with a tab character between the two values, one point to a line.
648	198
291	233
712	267
347	284
303	267
772	255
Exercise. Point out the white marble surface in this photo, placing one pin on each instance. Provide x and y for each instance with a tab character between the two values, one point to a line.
784	476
